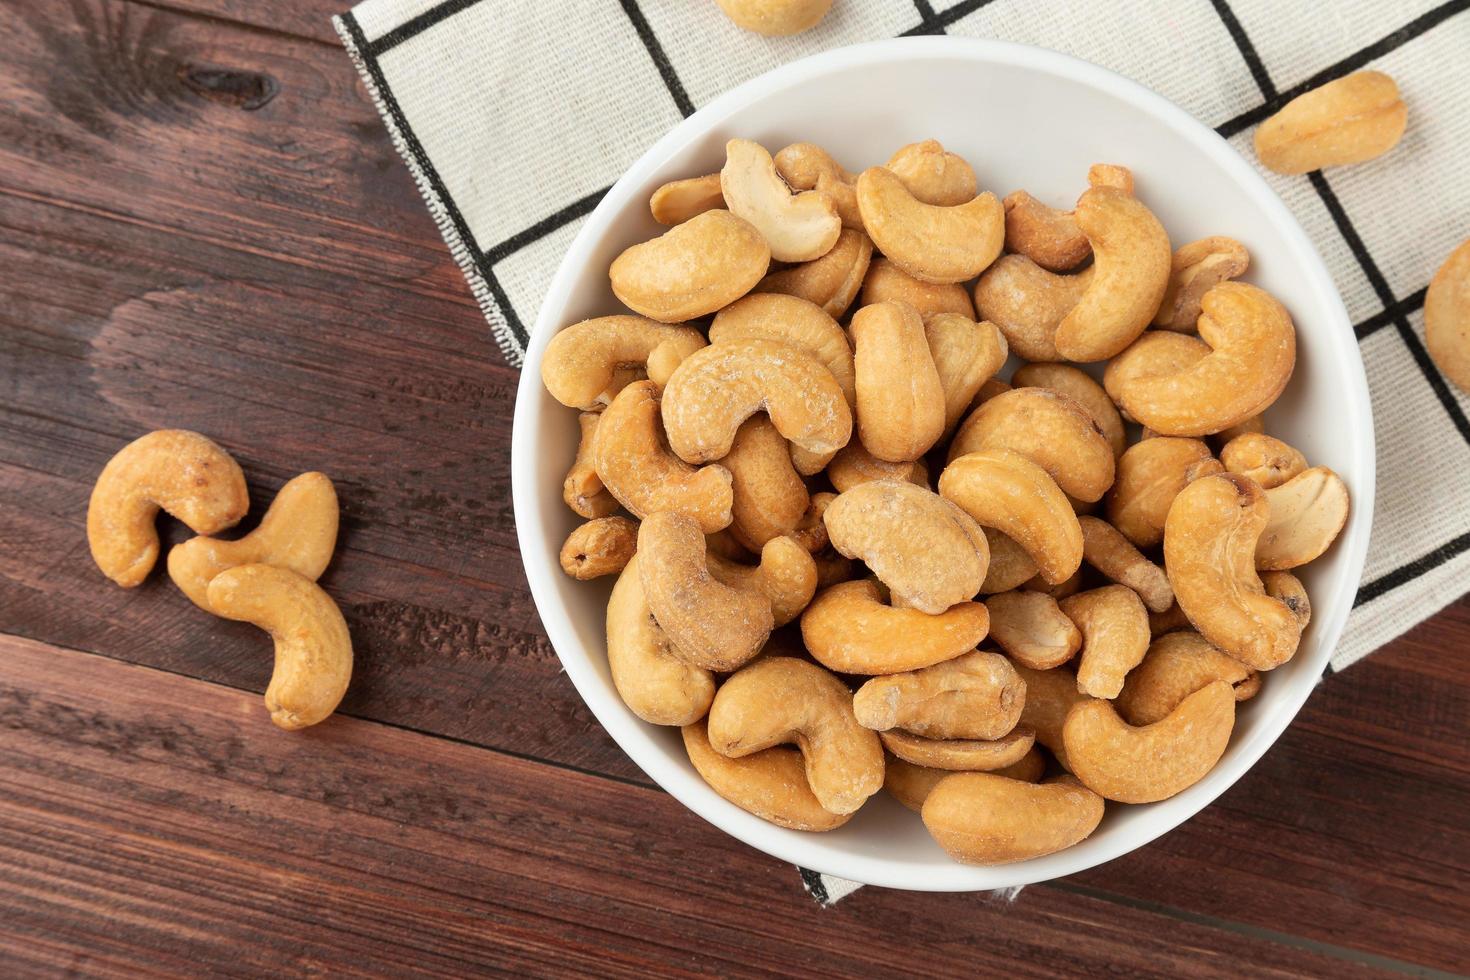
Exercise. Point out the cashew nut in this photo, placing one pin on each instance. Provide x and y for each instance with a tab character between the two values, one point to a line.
1108	551
679	200
775	18
886	282
1111	175
629	455
1348	120
1196	269
811	530
1172	619
1156	353
782	700
933	175
1447	317
1251	426
298	532
797	227
900	403
770	784
786	576
1210	555
975	696
174	470
1265	459
693	269
1079	386
1115	637
965	355
582	362
602	546
1032	629
769	496
1154	762
1289	589
790	320
1005	490
984	818
833	569
1059	591
719	387
929	242
1050	695
1177	665
832	281
854	465
583	490
654	682
1150	475
849	629
1307	514
1046	236
928	552
960	754
806	167
911	784
313	649
1010	565
1048	428
1027	303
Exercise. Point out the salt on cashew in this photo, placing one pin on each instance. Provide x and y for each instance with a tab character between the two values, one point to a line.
790	320
1048	428
854	465
975	696
849	629
1289	590
1154	762
1010	565
1307	514
1131	256
582	362
966	354
1195	269
1177	665
775	18
629	455
719	387
679	200
1253	352
654	682
1046	236
959	754
929	242
313	649
1107	550
1079	386
1210	555
900	402
1005	490
933	175
1032	629
886	282
770	784
693	269
782	700
1027	303
1050	695
602	546
786	576
179	472
1447	317
929	553
1348	120
1115	637
986	819
1265	459
770	497
298	532
1150	475
583	490
797	227
808	167
832	281
911	785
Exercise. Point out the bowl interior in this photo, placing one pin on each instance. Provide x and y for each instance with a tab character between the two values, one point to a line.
1024	118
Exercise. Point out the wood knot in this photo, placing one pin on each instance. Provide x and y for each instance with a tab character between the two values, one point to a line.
231	87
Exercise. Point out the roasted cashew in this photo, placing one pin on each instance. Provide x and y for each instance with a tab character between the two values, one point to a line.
313	648
811	530
849	629
900	402
1010	565
1156	353
1350	119
679	200
931	243
1108	551
775	18
854	465
1307	514
786	576
808	167
1027	303
1447	317
1172	619
770	784
654	682
693	269
602	546
1079	386
832	281
1289	589
1059	591
1046	236
1177	665
1115	635
1048	428
1032	629
770	497
983	818
1110	175
797	227
960	754
1251	426
833	569
583	490
911	785
582	364
966	354
1005	490
933	175
174	470
975	696
886	282
790	320
781	700
1150	475
1265	459
1195	269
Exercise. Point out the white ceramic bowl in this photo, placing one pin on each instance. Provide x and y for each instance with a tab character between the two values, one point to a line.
1025	118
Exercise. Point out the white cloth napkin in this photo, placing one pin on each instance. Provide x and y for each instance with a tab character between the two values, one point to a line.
514	119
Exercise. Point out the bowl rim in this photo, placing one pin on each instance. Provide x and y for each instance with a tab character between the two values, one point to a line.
687	787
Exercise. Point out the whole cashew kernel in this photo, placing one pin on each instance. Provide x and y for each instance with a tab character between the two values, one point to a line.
775	18
1115	637
1348	120
1131	254
900	403
854	465
782	700
1027	303
1010	565
832	281
298	532
933	175
583	360
1005	490
1079	386
786	576
770	497
1150	475
790	320
654	682
797	227
975	696
174	470
911	784
693	269
1210	555
313	648
1157	353
1108	551
849	629
1307	514
1046	236
1048	428
807	167
602	546
1177	665
1050	695
1195	269
1032	629
966	354
629	455
1447	317
679	200
984	818
770	784
929	553
960	754
886	282
1154	762
1265	459
929	242
583	490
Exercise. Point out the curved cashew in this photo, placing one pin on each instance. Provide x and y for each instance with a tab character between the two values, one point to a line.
849	629
630	457
1032	629
1265	459
1177	665
1046	236
886	283
911	785
780	700
1210	554
1196	269
1027	303
775	18
1143	765
718	388
770	784
174	470
1150	475
1108	551
1289	589
1079	386
1005	490
983	818
1115	637
790	320
1348	120
679	200
935	244
832	281
928	552
769	495
654	682
1010	565
298	532
1050	695
1111	175
693	269
798	227
975	696
712	625
583	490
1307	514
786	576
1253	352
960	754
1131	254
854	465
582	362
966	354
934	175
900	403
603	546
1048	428
1447	317
807	167
313	648
1155	354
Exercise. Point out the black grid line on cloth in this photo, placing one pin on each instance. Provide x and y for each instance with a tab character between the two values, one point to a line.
934	22
1409	304
577	209
660	58
1409	571
415	26
815	886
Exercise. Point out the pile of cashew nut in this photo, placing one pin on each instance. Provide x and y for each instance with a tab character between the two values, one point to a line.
850	558
267	577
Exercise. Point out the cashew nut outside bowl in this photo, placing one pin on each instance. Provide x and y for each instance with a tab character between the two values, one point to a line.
1195	185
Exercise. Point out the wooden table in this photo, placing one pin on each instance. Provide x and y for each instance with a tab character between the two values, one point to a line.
203	225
